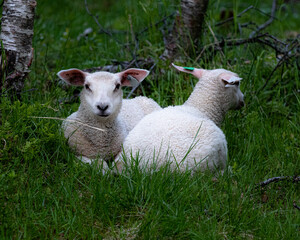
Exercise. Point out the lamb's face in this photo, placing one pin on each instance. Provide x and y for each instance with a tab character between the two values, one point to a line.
229	84
225	85
233	93
103	94
235	96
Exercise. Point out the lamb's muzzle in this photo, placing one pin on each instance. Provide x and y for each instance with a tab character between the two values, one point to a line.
103	109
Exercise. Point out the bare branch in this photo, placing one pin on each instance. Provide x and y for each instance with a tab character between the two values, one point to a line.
241	13
231	18
102	29
285	49
219	45
267	23
246	25
287	55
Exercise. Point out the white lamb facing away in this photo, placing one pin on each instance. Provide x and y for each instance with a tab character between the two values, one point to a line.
104	118
187	136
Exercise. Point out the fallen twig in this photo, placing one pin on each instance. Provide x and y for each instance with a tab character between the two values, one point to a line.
296	206
246	25
277	179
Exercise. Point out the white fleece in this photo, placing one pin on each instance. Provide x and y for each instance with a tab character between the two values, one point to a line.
187	136
106	117
105	144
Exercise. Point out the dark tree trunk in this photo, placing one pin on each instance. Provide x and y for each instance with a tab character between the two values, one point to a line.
16	48
187	28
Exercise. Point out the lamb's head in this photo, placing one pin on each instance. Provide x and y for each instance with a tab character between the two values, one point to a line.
102	93
222	82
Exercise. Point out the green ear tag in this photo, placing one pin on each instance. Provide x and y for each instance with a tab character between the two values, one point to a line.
189	68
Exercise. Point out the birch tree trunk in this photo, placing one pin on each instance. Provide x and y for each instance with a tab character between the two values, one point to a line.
187	28
16	48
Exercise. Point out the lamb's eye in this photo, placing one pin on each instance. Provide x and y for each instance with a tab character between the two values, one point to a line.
87	87
118	85
237	83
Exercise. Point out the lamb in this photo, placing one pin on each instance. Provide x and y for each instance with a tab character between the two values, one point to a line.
187	136
104	119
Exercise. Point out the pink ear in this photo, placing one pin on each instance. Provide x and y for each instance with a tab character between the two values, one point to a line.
73	76
195	71
138	74
230	79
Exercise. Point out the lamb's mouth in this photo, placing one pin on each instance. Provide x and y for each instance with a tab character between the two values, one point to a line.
103	115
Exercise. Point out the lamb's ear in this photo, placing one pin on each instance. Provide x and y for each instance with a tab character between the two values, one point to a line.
230	80
197	72
137	76
73	76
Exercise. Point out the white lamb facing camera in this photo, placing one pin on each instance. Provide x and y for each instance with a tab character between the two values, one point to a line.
104	118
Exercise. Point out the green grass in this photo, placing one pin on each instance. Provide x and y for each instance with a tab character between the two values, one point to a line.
47	193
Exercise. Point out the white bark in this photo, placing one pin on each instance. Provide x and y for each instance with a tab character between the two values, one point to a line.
16	36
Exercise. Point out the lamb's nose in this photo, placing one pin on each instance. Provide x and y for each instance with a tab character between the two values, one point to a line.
102	107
